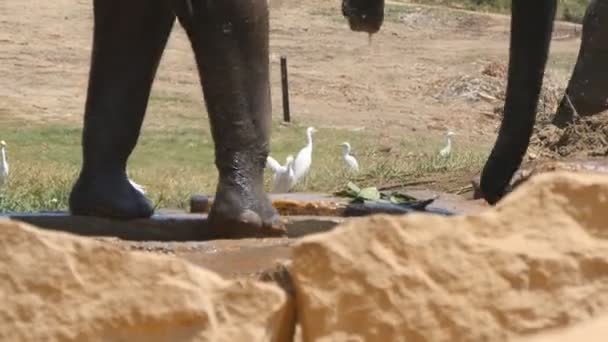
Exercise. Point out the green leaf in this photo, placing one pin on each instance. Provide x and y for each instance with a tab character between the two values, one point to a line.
354	188
370	194
351	191
399	198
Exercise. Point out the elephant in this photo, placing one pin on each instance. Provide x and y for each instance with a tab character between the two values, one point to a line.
230	43
586	92
531	30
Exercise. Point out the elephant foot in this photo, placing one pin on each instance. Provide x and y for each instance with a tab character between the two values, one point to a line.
110	196
239	212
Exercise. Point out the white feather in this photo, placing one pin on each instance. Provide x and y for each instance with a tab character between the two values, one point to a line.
447	150
137	187
284	180
273	164
3	163
304	157
351	161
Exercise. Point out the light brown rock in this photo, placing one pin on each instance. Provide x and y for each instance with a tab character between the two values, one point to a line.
539	260
58	287
595	330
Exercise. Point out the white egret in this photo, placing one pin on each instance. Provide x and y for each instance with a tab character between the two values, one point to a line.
137	187
350	160
447	150
283	178
3	163
304	157
273	164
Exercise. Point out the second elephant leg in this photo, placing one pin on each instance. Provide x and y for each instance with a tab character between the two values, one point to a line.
230	42
587	88
128	40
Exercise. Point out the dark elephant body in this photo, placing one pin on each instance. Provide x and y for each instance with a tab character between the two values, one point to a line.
531	29
230	43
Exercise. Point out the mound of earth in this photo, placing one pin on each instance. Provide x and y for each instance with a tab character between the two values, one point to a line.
490	86
588	136
538	261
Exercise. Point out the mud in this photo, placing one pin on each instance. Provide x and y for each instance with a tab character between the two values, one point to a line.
311	204
245	258
587	137
182	235
265	258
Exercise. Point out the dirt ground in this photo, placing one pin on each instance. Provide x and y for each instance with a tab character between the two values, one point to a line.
422	72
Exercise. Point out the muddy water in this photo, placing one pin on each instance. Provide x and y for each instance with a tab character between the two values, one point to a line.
229	258
250	258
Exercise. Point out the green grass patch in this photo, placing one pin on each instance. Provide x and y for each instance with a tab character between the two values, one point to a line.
173	164
174	157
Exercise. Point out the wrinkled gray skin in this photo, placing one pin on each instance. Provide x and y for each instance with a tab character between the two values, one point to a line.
230	43
588	86
531	28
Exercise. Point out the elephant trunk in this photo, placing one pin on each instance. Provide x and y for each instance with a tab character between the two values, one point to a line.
364	15
531	28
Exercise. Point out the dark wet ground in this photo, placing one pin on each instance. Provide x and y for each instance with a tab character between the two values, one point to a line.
229	258
252	257
186	236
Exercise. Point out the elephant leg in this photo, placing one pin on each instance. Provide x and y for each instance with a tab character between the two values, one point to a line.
128	40
230	42
531	28
588	85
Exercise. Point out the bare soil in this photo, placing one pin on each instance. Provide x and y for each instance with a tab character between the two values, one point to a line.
421	73
586	137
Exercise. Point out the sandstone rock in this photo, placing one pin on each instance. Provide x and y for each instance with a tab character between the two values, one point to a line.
58	287
595	330
537	261
596	165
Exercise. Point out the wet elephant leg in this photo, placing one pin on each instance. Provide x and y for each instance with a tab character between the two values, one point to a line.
128	40
230	42
531	27
588	86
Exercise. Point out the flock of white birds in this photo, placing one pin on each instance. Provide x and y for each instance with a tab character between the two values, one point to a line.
284	177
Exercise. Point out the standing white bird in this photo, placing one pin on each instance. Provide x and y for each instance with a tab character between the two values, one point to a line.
137	187
3	163
283	178
447	150
273	164
350	160
304	157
